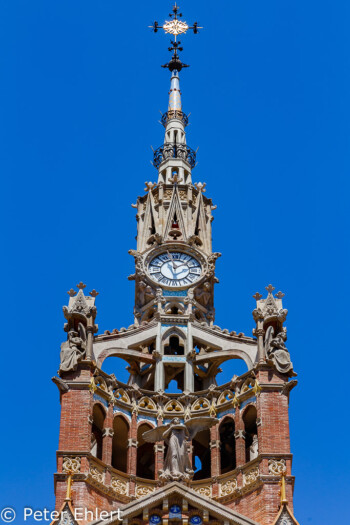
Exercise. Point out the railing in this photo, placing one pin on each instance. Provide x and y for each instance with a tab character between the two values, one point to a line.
174	151
174	113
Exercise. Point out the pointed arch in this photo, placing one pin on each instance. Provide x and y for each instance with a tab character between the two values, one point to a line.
98	418
174	330
201	459
120	443
175	209
227	445
249	417
145	467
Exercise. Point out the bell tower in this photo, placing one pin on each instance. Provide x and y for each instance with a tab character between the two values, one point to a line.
139	453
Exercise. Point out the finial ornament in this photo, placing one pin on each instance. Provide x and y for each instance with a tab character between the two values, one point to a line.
279	295
175	27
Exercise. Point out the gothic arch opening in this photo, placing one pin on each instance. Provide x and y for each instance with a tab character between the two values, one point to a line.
174	379
98	417
120	444
145	454
201	457
251	432
227	445
174	347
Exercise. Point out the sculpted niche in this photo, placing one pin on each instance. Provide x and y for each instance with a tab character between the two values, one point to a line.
176	435
277	352
73	350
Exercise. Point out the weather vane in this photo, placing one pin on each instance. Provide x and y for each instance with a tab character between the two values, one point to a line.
175	27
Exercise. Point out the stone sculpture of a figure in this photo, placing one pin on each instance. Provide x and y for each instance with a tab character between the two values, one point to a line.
176	435
277	352
73	350
254	448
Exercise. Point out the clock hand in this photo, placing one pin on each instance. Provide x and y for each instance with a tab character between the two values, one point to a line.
181	264
172	260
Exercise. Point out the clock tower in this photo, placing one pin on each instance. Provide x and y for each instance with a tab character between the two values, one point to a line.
137	451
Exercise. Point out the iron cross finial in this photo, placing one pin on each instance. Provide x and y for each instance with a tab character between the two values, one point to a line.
175	26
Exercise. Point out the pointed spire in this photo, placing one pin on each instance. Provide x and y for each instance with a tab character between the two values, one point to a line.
175	93
174	153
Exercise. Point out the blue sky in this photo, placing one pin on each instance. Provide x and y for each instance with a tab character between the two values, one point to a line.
268	90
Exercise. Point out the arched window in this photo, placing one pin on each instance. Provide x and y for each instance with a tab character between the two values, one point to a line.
227	445
251	432
174	379
201	459
174	347
98	417
145	454
120	443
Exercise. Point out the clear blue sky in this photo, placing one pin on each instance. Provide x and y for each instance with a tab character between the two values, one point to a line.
268	90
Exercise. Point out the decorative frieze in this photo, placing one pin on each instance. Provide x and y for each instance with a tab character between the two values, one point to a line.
143	490
203	490
71	465
96	474
277	466
250	477
229	487
119	486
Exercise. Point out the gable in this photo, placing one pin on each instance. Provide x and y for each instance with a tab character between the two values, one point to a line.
197	508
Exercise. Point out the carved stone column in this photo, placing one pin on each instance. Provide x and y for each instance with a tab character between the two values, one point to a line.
189	377
215	451
240	439
107	437
157	353
240	447
158	458
259	331
188	373
215	458
132	452
89	344
159	373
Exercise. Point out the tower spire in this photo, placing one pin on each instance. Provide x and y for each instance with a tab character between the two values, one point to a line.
174	153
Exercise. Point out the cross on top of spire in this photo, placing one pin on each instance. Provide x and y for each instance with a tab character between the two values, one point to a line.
175	27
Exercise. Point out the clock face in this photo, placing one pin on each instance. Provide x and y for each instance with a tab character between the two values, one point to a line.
175	269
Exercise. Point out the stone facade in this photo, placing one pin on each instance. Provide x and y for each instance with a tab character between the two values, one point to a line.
105	460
